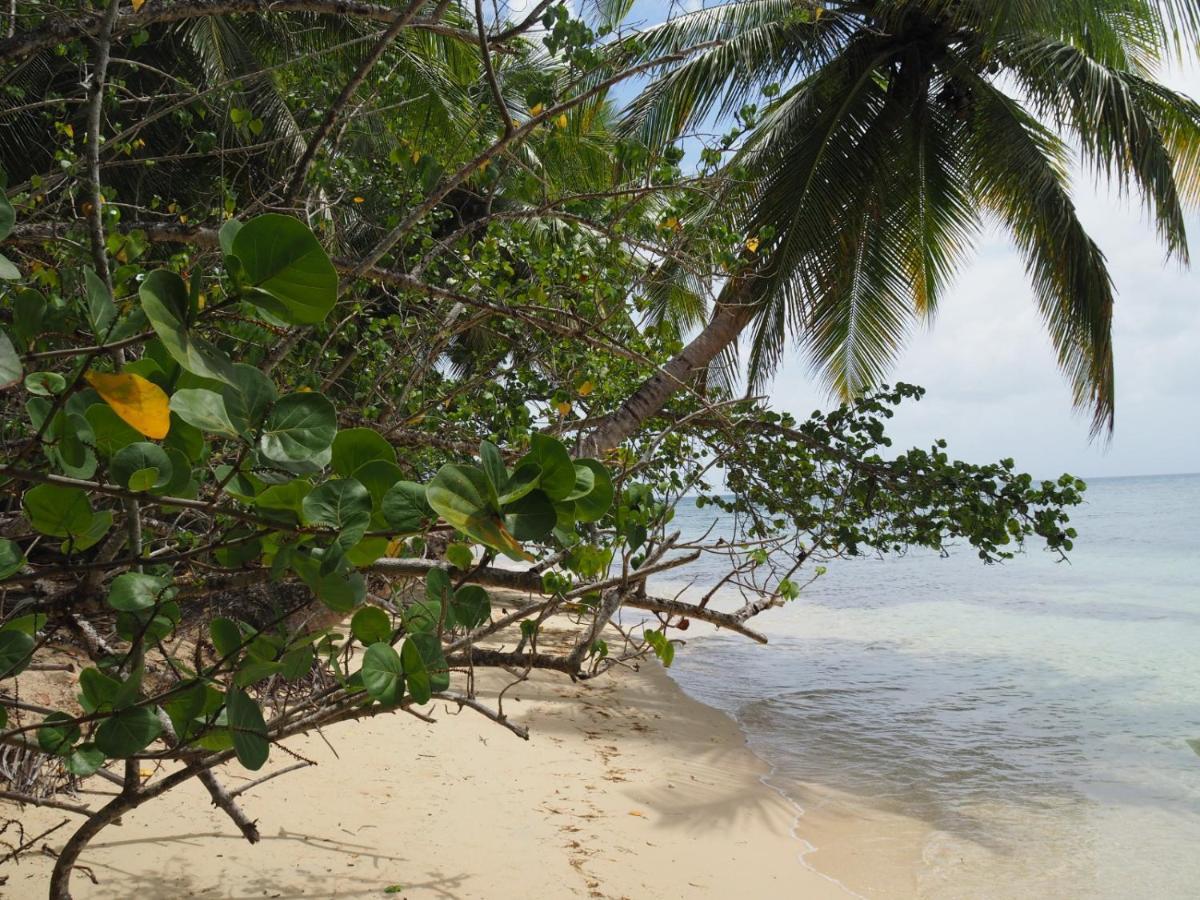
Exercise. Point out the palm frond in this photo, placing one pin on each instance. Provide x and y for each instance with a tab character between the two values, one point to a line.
1119	135
1018	170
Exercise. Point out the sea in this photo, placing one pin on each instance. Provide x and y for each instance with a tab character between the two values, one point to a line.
1019	730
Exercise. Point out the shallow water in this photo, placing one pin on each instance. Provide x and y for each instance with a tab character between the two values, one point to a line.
1032	718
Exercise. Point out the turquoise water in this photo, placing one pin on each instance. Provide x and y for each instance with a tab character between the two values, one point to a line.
1031	719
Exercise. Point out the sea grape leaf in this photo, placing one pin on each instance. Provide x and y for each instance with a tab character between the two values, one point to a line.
288	269
141	404
127	732
164	299
249	730
383	673
300	427
355	447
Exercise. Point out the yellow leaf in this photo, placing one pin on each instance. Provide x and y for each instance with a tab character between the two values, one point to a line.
563	408
752	244
68	130
183	220
561	121
395	546
360	199
141	403
416	156
138	4
672	223
536	109
586	388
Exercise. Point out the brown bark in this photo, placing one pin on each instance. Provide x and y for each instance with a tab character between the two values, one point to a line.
734	312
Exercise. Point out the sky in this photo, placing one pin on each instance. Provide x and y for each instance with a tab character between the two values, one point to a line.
993	388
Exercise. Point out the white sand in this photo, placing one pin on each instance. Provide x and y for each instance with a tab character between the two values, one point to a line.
627	789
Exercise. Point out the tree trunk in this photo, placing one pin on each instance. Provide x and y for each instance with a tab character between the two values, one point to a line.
732	315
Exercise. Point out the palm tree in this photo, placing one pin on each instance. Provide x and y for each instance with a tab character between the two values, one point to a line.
901	127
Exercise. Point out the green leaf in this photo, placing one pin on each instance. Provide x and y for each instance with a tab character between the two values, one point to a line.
558	471
181	474
595	504
249	399
471	606
531	518
57	733
8	271
98	528
523	480
138	458
287	497
378	477
75	438
85	760
29	624
459	494
355	447
12	560
16	651
111	432
134	591
10	363
254	671
300	427
204	409
405	507
424	666
437	585
58	511
226	235
367	551
341	590
383	673
226	636
288	268
493	466
102	312
8	216
584	482
45	384
460	555
99	691
297	663
165	301
371	625
29	308
249	730
342	504
127	732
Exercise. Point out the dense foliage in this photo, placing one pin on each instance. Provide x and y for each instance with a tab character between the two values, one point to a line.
317	331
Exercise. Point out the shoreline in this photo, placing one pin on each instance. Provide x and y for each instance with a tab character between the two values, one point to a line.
628	788
840	834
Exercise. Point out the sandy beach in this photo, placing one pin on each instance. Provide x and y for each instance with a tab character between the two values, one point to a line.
627	788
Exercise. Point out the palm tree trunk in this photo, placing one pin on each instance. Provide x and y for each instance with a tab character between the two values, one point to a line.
733	314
